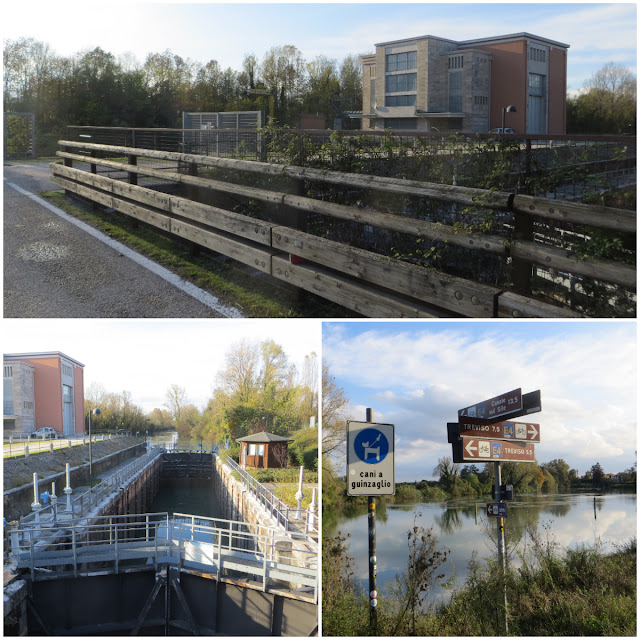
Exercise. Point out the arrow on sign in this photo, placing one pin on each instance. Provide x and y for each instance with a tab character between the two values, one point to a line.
469	449
532	431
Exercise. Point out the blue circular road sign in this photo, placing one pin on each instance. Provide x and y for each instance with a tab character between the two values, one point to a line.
371	446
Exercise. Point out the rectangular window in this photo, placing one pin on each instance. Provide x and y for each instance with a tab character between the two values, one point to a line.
537	55
372	96
7	397
456	62
536	84
400	101
455	91
402	61
402	82
8	371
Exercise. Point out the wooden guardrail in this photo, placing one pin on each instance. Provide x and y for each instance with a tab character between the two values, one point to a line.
369	283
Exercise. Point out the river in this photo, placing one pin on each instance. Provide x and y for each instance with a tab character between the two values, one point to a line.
463	527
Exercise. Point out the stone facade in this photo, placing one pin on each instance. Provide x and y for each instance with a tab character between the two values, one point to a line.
18	398
465	85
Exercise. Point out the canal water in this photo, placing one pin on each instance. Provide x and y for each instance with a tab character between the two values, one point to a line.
463	527
185	495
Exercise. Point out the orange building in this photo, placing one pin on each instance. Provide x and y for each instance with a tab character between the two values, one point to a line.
42	390
435	84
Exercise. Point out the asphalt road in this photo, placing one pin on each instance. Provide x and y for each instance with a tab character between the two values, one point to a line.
58	267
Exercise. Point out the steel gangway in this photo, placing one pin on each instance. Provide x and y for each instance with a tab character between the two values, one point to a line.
224	549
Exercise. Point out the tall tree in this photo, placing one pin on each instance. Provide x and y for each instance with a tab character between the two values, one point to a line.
175	400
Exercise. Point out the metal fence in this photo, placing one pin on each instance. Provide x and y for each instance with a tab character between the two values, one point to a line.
21	444
81	504
292	521
221	547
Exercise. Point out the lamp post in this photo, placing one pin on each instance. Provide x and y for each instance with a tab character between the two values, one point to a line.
505	110
96	412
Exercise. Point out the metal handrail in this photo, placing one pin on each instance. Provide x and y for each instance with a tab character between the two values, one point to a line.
187	540
286	517
82	502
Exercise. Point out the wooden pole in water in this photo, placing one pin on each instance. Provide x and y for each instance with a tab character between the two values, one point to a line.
373	593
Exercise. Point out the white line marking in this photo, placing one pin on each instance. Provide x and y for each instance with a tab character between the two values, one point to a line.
187	287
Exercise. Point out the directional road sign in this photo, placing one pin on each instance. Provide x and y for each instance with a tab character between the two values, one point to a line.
504	404
523	431
370	459
504	407
478	449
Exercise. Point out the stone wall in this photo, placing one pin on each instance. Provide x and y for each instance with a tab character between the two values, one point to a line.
17	502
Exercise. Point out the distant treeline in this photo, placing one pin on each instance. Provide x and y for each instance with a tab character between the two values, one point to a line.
455	481
99	89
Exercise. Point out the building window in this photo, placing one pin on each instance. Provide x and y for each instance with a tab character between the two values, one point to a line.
455	91
400	101
256	449
67	370
407	124
536	84
402	82
9	424
537	55
8	371
402	61
456	62
480	101
372	95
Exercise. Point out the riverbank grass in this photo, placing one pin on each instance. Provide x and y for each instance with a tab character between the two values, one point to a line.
577	592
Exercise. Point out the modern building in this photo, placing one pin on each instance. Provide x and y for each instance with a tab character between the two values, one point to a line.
435	84
42	390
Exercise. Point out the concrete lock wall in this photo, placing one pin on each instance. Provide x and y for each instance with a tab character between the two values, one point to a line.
17	501
238	503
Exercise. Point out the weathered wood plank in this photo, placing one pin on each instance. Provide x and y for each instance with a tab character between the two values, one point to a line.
563	260
391	222
421	228
241	250
440	289
577	213
140	213
244	226
356	296
463	195
512	305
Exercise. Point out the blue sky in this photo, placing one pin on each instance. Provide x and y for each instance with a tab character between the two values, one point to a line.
597	33
417	375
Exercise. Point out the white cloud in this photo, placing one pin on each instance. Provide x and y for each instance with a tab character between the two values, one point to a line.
427	372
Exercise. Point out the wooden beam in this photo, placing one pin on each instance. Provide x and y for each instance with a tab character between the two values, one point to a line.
512	305
449	292
598	216
357	296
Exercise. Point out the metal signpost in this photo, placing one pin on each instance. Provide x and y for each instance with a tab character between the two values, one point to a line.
371	471
485	432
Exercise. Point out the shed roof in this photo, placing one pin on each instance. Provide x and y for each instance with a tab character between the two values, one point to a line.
263	436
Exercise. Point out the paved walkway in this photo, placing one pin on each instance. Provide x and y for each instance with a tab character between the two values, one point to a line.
58	267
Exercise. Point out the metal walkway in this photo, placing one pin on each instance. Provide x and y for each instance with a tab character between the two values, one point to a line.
224	549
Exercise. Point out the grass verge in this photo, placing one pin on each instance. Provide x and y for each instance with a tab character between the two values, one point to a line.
254	296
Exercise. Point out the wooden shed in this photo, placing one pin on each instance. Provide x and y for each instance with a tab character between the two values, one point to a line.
264	451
